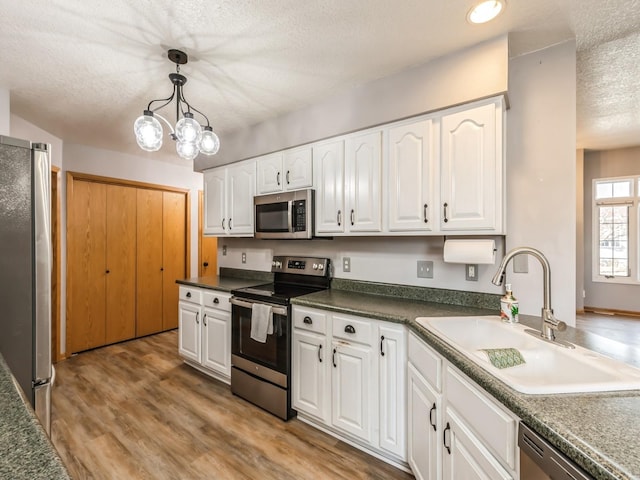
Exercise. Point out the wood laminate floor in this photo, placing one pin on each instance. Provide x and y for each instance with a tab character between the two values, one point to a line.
135	411
625	329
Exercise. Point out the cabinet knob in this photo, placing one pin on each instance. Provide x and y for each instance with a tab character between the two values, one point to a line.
108	271
349	329
205	264
307	320
162	269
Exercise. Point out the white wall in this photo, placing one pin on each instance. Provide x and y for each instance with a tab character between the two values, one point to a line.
476	72
374	259
541	174
5	112
580	265
20	128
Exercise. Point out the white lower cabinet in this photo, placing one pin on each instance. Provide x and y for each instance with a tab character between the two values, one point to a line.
456	430
356	390
204	331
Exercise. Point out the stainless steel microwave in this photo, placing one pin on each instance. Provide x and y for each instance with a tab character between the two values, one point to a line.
286	215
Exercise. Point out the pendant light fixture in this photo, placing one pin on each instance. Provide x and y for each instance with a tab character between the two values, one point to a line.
190	137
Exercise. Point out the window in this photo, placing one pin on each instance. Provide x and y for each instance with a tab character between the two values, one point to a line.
615	230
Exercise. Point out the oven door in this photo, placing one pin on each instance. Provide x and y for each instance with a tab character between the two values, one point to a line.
252	356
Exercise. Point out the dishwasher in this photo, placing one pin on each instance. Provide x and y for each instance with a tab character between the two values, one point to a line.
539	460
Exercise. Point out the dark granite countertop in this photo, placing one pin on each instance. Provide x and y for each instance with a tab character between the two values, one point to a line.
599	431
25	450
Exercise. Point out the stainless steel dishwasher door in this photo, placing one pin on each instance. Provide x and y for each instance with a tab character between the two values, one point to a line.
539	460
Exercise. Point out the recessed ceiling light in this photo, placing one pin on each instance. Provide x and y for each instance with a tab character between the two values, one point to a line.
485	11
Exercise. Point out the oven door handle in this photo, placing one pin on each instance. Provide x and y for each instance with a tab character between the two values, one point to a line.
278	310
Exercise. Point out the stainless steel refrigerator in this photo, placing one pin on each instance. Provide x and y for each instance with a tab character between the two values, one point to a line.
25	269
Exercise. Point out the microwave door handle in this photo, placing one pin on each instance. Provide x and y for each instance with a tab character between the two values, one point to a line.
290	214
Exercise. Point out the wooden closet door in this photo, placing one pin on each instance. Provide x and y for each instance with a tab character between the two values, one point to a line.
121	263
174	244
86	263
149	262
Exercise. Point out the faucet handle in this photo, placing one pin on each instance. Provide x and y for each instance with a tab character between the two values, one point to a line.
552	322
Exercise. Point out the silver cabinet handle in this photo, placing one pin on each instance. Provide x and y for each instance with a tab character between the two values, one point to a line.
425	213
352	216
445	212
278	178
339	217
320	353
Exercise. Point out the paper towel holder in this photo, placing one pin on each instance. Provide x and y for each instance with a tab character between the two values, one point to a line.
480	251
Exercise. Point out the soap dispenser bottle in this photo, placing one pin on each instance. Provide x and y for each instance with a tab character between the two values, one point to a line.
509	307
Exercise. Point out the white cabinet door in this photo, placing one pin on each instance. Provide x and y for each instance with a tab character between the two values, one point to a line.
310	381
471	166
392	361
216	341
464	455
424	426
297	168
241	187
269	172
411	161
329	170
215	192
351	393
363	170
189	331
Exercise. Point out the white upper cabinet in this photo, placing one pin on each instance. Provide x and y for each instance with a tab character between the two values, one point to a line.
228	193
363	170
288	170
410	175
471	184
328	159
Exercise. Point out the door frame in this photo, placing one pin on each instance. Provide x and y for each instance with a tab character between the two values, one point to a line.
200	232
56	271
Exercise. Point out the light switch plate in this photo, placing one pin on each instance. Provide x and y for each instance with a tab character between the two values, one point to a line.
425	269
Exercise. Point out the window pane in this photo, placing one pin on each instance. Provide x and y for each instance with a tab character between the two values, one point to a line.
613	240
622	189
604	190
614	189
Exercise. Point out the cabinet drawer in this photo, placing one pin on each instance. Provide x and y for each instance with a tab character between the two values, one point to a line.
216	299
426	361
190	294
352	328
490	422
312	320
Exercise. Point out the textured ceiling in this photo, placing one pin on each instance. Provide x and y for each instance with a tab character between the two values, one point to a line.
84	70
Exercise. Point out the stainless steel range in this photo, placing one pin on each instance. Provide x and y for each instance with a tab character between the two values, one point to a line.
261	364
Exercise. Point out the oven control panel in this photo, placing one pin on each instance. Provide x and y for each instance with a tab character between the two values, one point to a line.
301	265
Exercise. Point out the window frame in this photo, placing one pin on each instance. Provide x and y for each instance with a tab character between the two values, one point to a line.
633	235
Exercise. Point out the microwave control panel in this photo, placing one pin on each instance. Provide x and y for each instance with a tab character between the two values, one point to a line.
299	216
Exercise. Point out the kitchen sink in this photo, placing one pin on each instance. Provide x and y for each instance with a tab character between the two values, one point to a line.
548	369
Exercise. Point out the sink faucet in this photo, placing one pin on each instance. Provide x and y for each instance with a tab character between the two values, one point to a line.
549	322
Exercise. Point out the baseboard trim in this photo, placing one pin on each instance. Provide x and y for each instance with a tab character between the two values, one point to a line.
611	311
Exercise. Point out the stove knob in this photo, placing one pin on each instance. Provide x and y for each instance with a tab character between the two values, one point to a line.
320	266
315	266
273	263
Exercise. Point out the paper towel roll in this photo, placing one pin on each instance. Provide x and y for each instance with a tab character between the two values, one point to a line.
478	250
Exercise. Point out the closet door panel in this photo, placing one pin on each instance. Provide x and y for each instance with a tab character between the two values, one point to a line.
149	262
174	244
86	243
121	263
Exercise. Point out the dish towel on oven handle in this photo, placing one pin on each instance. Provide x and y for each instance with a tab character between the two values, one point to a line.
261	322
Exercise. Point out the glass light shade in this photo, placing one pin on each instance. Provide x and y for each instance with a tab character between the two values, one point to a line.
148	132
485	11
210	143
187	150
188	129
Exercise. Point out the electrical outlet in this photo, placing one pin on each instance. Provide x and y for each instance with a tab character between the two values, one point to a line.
471	272
244	257
224	250
425	269
346	264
